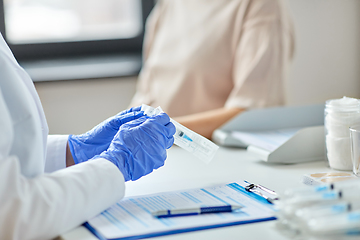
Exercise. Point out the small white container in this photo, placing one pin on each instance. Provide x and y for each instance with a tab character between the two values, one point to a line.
340	115
355	148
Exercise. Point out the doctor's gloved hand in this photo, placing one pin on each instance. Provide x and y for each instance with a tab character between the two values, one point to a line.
140	146
85	146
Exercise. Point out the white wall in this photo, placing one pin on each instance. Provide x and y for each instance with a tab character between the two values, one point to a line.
77	106
327	60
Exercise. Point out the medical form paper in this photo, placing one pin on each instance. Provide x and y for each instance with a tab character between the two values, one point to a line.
131	217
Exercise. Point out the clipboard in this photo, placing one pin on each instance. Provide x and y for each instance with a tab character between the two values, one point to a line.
302	129
135	211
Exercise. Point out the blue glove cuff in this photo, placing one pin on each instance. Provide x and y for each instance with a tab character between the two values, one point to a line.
119	165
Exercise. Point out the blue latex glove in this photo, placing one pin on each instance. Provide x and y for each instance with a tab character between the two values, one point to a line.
85	146
140	146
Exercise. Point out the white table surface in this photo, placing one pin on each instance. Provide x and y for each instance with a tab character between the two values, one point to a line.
183	171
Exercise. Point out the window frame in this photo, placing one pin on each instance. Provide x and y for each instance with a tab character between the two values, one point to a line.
64	50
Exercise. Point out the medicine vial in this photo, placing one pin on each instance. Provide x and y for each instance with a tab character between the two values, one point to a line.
187	139
340	114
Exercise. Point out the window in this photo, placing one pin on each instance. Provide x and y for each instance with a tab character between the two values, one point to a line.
39	21
58	29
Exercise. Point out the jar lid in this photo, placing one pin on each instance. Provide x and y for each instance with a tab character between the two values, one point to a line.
344	104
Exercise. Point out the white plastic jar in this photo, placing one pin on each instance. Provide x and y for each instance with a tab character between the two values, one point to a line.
340	114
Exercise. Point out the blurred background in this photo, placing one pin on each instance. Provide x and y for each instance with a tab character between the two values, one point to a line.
84	55
40	21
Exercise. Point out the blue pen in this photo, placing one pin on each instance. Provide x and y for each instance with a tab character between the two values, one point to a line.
194	211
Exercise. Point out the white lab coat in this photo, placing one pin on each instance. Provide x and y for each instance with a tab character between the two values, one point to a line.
34	204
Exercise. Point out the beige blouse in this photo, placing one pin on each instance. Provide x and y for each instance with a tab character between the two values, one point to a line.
201	55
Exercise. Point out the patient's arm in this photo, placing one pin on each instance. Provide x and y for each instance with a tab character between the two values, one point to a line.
205	123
